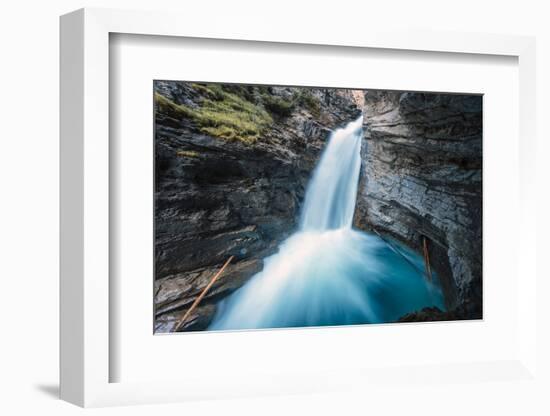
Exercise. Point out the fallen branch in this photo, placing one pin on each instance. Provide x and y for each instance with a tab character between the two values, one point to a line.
201	296
427	258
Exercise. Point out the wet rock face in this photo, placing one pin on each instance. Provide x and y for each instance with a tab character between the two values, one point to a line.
421	178
215	197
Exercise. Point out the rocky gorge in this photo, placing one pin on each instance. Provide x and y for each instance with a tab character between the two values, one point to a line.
422	181
231	167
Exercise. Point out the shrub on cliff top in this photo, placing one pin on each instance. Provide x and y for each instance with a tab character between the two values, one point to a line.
309	101
278	105
284	106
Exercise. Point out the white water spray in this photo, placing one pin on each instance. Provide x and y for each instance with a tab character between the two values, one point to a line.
327	273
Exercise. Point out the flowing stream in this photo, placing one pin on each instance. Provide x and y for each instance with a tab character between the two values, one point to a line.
327	273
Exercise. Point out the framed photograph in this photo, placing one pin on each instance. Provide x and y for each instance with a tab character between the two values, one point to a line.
247	214
329	206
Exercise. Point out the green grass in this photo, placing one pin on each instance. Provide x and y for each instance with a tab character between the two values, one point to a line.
169	107
221	114
236	112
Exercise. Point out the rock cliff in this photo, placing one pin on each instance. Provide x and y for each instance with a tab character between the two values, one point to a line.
231	167
421	179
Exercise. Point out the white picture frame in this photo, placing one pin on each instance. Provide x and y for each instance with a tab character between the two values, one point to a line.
85	221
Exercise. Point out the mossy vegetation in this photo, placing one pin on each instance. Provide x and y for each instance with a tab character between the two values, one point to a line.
187	153
221	114
229	116
238	112
172	109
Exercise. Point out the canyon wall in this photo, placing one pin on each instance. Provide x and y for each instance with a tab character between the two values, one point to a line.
421	180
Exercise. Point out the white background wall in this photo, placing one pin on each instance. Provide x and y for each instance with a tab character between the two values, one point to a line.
29	56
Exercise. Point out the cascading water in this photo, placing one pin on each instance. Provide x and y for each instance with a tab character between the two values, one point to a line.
330	197
328	273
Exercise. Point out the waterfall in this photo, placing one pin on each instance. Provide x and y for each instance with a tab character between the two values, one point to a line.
327	273
330	197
